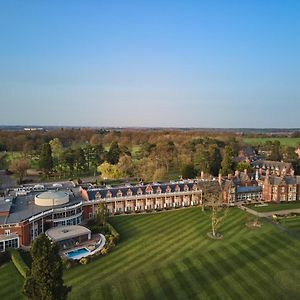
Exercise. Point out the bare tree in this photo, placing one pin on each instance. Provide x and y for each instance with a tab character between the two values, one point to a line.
213	200
19	167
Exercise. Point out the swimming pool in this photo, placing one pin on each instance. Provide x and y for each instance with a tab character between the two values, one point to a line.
78	253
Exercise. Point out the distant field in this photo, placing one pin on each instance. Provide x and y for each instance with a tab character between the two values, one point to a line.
168	256
292	142
275	207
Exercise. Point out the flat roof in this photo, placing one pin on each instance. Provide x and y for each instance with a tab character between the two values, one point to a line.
23	207
62	233
5	204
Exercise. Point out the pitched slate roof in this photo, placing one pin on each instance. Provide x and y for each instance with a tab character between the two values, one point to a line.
248	189
140	188
291	180
269	164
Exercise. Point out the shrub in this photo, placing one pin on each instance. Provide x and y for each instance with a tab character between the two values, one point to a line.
104	251
18	262
84	261
113	232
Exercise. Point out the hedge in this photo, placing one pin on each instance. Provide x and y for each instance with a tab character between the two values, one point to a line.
18	262
113	231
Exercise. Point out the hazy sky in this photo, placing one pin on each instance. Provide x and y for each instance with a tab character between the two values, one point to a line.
150	63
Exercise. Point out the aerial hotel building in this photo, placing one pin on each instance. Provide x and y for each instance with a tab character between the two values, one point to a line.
141	198
24	217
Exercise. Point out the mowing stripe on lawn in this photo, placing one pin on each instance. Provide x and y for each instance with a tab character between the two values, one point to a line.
182	278
138	262
200	275
146	286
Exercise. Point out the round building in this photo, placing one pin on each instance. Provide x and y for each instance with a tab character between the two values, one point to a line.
51	198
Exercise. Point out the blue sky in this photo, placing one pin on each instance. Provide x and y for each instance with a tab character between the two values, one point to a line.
150	63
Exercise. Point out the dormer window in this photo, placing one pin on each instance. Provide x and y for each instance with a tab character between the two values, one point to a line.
119	193
177	188
195	187
186	188
139	191
149	189
158	190
98	196
168	189
129	192
108	194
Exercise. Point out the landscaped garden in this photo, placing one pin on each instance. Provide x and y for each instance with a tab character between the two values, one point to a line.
274	206
168	255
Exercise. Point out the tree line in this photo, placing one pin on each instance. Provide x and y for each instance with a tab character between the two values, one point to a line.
142	155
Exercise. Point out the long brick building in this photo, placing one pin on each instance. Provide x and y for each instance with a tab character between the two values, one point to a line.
24	217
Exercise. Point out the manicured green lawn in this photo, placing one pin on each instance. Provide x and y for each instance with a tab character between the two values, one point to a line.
292	223
286	141
11	283
168	256
275	207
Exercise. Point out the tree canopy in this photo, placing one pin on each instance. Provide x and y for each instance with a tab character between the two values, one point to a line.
44	281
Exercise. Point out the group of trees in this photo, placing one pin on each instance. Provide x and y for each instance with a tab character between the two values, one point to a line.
145	155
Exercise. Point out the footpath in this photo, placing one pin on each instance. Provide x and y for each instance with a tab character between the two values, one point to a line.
268	216
269	213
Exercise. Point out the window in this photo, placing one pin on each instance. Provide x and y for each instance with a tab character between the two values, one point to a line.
7	232
11	243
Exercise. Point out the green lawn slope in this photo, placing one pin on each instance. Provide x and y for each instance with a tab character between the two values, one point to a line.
168	256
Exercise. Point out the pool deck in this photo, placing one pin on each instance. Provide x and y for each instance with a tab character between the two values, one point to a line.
93	245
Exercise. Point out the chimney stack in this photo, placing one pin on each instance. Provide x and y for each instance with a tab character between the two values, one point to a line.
220	178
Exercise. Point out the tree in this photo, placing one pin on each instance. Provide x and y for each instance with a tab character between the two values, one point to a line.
202	159
275	151
109	171
79	159
126	166
159	174
188	171
68	159
19	167
215	159
44	280
101	213
113	154
227	164
213	199
45	159
242	166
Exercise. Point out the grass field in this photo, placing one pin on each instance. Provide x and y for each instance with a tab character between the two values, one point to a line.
286	141
275	207
292	223
168	256
11	282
